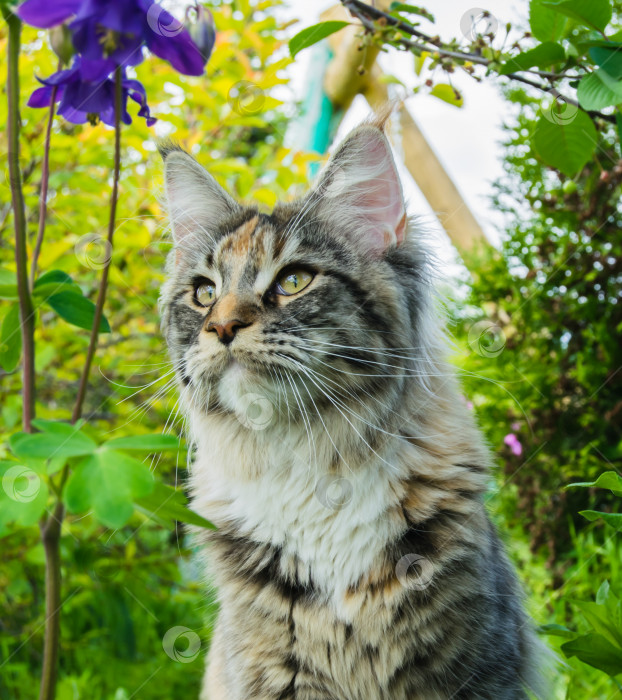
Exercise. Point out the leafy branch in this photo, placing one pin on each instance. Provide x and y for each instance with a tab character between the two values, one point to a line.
380	24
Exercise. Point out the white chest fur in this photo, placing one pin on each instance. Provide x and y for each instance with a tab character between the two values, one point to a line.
278	489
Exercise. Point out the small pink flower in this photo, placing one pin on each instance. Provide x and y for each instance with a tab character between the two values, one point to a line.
515	426
514	444
469	405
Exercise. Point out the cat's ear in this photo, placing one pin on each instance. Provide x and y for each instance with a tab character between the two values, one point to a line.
360	194
196	203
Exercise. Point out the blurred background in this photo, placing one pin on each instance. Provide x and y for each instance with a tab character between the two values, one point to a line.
534	315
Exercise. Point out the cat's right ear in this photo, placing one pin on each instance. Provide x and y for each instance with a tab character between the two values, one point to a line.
196	203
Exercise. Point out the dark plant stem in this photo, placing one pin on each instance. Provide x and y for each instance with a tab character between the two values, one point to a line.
43	195
51	526
50	536
103	285
19	215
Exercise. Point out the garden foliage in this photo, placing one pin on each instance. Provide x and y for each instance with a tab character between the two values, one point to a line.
538	331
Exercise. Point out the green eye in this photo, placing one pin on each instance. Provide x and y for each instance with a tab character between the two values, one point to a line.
293	281
205	293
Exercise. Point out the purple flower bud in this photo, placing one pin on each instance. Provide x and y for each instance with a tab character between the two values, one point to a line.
61	43
202	30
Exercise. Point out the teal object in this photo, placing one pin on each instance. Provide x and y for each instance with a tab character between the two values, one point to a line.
316	125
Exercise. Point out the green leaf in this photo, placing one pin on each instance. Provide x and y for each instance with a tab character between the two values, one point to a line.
44	291
546	24
447	93
144	443
614	520
8	284
55	465
10	340
311	35
594	91
542	56
411	9
600	617
608	58
607	480
53	277
566	144
60	440
604	594
77	310
594	650
420	61
619	125
23	495
108	482
591	13
557	631
166	505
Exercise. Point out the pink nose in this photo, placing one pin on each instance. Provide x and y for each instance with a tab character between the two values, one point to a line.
226	330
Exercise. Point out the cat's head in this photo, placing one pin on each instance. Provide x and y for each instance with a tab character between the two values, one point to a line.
316	306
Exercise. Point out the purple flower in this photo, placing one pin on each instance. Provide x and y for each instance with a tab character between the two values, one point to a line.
118	30
82	99
514	444
107	34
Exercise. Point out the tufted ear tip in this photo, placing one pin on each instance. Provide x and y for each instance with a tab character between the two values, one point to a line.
168	146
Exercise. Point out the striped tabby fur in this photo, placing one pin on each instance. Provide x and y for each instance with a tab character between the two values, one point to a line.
354	557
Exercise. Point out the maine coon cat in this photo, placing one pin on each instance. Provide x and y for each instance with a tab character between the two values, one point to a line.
354	558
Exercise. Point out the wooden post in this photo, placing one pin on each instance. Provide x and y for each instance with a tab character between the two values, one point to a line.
432	179
343	81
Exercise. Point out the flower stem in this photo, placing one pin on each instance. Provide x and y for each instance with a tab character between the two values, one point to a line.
43	195
19	215
103	285
50	536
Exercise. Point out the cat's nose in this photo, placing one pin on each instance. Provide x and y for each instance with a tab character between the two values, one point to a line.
226	330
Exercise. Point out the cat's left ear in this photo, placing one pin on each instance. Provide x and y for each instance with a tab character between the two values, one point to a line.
197	205
360	194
